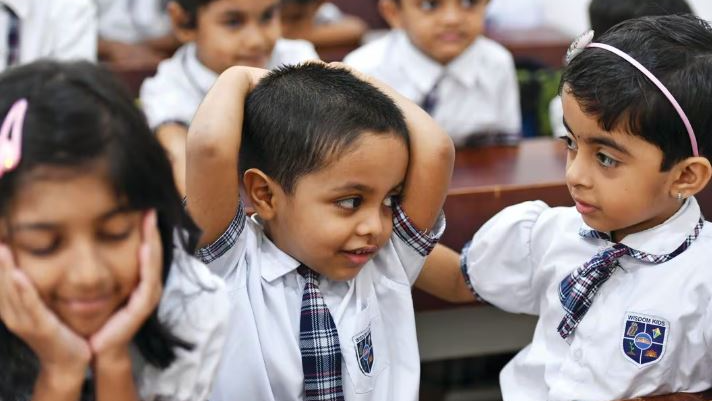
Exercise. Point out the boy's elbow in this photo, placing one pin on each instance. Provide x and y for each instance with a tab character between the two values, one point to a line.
445	149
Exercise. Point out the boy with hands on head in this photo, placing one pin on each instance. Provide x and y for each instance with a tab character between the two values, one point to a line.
332	167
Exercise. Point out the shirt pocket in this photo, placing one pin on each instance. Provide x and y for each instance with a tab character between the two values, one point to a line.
364	349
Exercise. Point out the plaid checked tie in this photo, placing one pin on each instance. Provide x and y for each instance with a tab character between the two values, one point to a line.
13	38
576	292
319	344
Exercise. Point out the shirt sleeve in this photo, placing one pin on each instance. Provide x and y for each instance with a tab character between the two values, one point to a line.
403	256
194	305
498	264
223	254
163	100
77	30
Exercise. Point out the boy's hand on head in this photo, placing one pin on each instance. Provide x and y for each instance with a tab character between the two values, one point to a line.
61	352
112	340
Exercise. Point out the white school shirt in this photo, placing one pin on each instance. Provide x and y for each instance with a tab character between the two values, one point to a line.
132	21
174	93
195	307
262	359
517	260
478	93
57	29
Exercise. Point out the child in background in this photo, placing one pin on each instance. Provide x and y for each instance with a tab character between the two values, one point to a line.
321	23
96	284
57	29
437	57
347	191
604	14
135	33
217	34
621	282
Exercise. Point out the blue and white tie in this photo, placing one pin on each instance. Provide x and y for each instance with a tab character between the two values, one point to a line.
577	290
319	344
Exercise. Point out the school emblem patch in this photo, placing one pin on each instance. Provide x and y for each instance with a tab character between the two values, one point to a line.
644	338
364	351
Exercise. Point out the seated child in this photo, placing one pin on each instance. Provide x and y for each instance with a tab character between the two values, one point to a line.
347	187
135	34
57	29
217	34
321	23
621	282
436	56
604	14
98	296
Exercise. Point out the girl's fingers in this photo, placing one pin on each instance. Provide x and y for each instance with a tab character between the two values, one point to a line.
10	304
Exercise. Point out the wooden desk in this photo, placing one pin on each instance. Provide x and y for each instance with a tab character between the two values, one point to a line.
544	44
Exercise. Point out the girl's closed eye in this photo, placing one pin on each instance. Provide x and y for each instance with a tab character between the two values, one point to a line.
39	245
118	227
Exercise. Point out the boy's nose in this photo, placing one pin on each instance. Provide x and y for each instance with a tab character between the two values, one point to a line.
451	13
371	225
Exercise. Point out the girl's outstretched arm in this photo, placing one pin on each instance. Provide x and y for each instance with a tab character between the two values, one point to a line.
441	276
212	151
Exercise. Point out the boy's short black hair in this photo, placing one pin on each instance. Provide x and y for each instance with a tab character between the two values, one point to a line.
191	7
300	118
677	49
604	14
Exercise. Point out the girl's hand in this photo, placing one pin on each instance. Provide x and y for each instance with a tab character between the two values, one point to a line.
113	339
62	353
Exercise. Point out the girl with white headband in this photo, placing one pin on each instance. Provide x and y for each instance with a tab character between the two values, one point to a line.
622	282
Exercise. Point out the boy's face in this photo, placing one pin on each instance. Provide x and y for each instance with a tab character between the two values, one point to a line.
237	32
78	246
614	177
339	216
442	29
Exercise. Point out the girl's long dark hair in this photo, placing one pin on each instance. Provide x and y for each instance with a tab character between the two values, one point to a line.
79	114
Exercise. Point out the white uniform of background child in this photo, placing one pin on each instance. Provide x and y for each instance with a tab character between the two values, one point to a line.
437	57
58	29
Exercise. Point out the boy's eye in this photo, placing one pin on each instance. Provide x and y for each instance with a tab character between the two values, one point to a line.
605	160
468	3
570	143
233	22
350	203
428	5
268	15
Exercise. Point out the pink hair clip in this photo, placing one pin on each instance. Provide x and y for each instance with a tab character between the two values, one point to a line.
11	137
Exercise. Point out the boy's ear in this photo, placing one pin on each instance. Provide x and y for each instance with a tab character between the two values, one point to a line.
390	11
264	193
692	176
181	23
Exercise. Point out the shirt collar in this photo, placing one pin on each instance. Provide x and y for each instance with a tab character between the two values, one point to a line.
275	262
420	69
197	73
20	7
666	237
469	67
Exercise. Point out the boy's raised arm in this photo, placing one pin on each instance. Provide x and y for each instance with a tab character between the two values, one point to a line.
432	155
212	149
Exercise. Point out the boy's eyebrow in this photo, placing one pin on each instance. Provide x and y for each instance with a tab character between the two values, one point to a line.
354	186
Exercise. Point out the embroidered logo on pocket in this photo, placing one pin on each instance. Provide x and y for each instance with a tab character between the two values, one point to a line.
644	338
364	351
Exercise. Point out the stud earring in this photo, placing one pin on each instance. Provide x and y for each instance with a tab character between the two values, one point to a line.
679	196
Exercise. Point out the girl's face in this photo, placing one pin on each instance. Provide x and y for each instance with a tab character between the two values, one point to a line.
77	243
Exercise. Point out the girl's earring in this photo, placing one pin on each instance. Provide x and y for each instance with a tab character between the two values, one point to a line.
679	196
